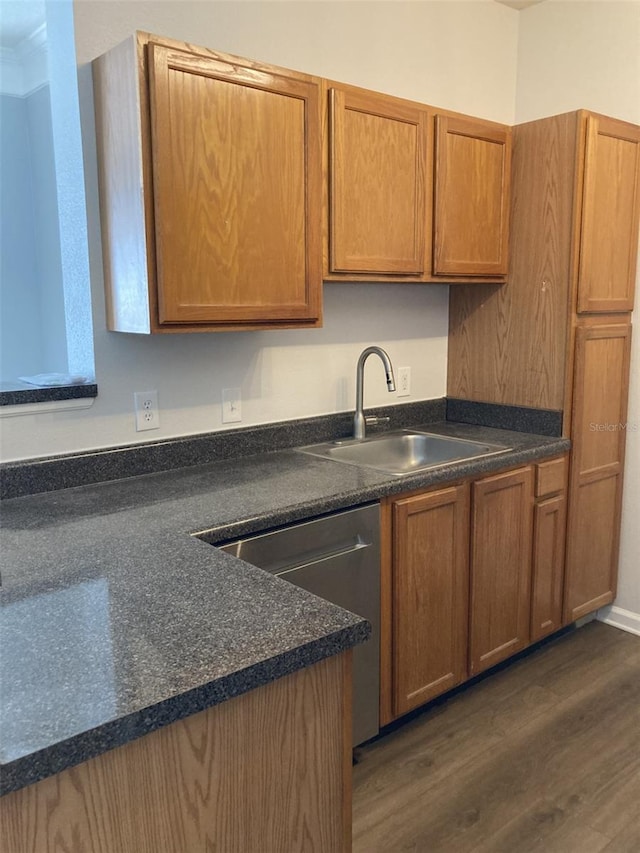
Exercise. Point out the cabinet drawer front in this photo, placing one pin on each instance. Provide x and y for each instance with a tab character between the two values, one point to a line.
551	477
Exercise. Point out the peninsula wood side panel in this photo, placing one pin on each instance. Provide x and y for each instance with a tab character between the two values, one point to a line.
268	770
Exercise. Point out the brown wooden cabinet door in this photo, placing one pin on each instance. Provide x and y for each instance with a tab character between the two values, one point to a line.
601	381
501	541
377	173
549	529
610	215
430	595
237	191
471	216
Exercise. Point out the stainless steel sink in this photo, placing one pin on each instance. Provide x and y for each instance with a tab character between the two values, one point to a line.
403	452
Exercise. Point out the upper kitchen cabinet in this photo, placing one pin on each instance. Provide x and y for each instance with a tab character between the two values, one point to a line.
574	239
390	214
378	165
610	211
210	183
471	204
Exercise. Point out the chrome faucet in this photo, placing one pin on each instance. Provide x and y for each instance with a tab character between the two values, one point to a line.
359	420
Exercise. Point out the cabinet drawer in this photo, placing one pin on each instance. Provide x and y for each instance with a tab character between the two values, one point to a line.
551	476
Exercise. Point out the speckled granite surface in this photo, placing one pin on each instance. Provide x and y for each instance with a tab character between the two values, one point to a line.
520	418
117	621
63	472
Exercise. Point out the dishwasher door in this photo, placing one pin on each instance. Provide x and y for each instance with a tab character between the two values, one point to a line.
338	558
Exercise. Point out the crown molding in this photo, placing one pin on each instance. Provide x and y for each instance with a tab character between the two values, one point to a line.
24	68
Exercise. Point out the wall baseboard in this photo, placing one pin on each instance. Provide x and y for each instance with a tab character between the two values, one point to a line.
620	618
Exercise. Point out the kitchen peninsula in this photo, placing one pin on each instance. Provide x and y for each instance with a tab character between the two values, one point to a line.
140	624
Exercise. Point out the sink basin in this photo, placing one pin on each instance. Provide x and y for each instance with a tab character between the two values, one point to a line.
403	452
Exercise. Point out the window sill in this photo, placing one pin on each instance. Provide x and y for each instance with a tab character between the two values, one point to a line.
41	400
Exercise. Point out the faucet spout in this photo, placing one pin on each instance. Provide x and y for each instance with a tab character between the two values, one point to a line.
359	421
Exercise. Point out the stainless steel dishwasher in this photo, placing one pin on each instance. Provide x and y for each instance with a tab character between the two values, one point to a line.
338	558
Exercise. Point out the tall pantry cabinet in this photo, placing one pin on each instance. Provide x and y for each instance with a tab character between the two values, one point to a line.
557	335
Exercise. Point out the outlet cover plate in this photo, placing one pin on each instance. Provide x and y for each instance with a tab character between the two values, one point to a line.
146	409
404	382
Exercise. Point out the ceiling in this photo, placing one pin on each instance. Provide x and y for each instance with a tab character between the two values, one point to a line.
19	19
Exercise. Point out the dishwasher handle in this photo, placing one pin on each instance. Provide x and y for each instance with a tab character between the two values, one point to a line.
321	558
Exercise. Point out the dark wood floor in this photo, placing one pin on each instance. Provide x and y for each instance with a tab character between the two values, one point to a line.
543	756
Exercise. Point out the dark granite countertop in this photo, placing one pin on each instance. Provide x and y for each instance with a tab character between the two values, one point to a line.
116	620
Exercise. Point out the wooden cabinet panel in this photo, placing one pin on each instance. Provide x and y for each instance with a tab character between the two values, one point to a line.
211	190
508	344
593	534
601	388
501	540
610	216
230	158
549	529
268	770
377	172
471	216
595	495
430	595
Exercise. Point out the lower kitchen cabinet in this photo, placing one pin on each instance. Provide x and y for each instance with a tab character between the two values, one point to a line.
472	574
501	542
430	568
549	534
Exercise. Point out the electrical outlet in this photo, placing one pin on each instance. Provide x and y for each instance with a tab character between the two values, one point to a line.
231	405
404	381
146	408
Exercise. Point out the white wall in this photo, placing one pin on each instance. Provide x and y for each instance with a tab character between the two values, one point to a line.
20	348
460	55
587	54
